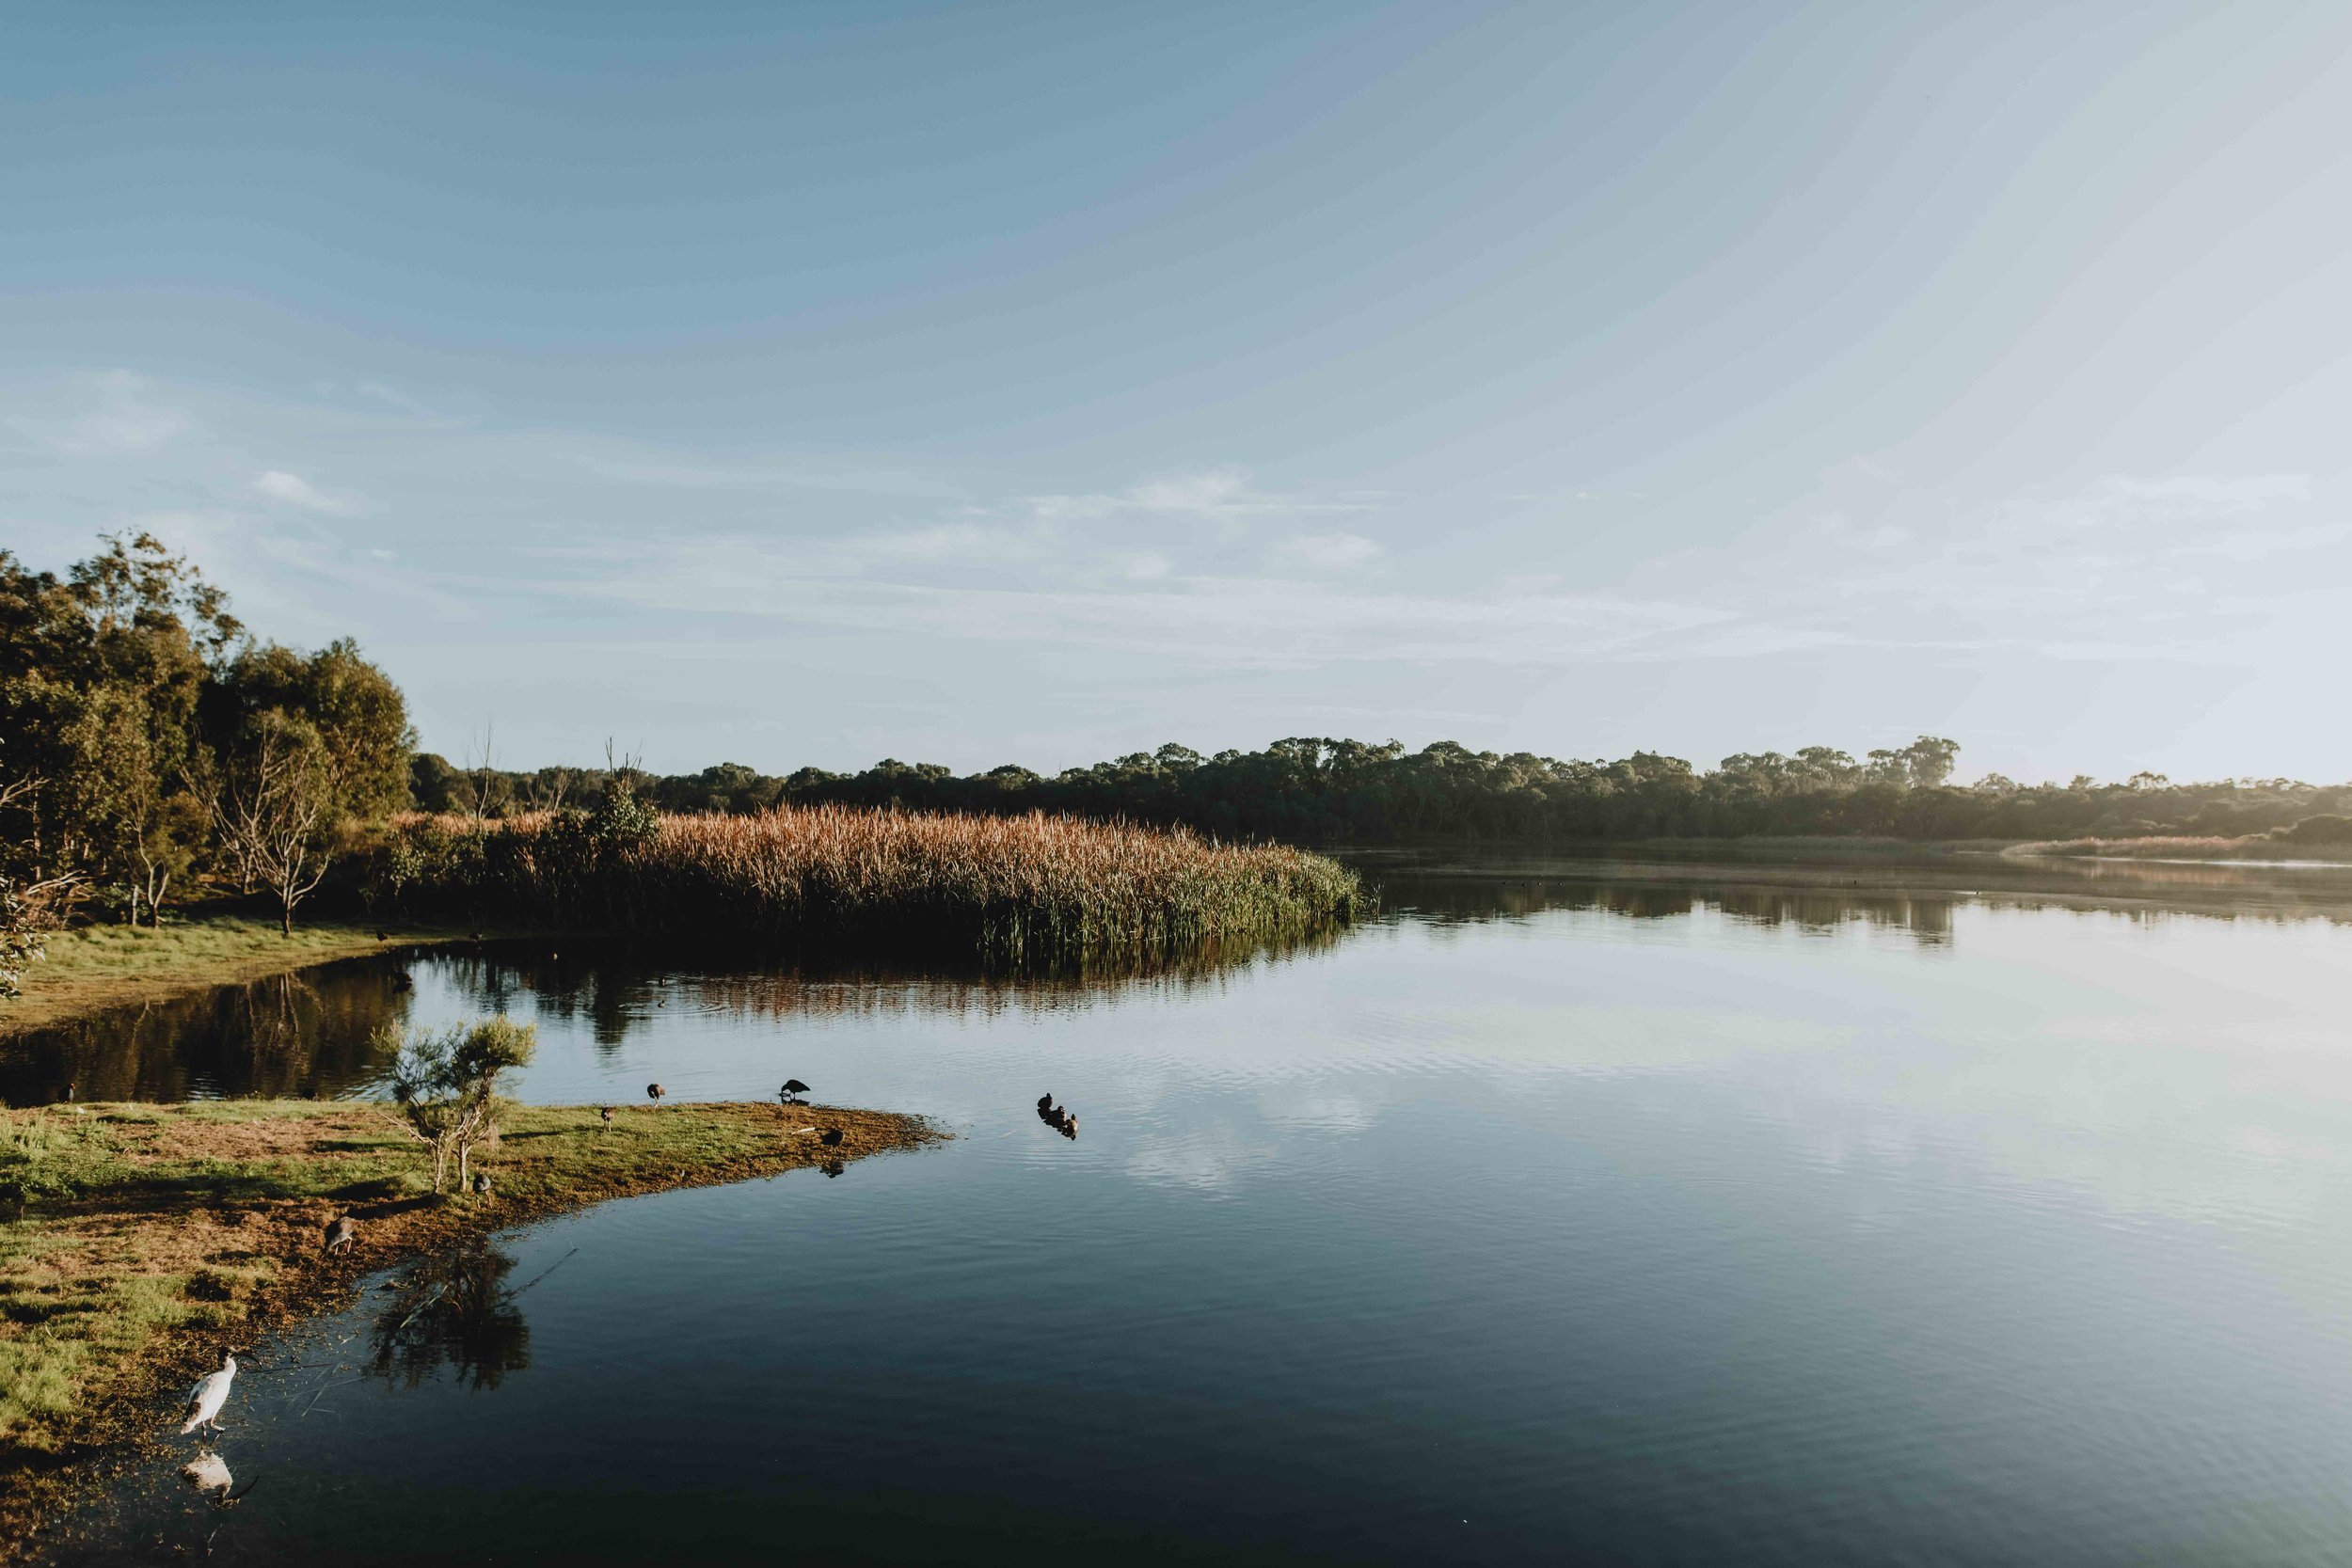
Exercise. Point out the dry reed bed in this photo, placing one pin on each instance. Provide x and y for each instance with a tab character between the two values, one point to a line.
1019	889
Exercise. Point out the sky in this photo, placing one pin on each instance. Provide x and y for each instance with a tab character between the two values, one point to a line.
790	383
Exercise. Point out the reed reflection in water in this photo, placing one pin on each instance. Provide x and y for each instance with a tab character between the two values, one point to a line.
313	1035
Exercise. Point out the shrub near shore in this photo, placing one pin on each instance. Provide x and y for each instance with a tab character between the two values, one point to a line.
1030	888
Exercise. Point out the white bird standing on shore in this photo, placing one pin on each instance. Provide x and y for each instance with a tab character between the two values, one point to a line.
209	1395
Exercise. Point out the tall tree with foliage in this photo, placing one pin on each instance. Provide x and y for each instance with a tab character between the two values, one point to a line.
102	674
148	741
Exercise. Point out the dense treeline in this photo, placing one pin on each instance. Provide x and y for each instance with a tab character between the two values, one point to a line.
1323	791
149	745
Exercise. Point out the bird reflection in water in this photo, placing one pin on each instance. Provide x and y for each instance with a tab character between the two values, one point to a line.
833	1168
454	1310
208	1474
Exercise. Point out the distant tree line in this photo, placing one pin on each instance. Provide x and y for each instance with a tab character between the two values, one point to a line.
1326	791
148	746
152	749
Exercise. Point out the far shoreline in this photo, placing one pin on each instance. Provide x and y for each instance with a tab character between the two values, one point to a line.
92	969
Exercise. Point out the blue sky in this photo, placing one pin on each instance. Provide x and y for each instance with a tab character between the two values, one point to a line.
1037	383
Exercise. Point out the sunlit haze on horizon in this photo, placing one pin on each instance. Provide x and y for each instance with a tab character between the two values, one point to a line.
1040	383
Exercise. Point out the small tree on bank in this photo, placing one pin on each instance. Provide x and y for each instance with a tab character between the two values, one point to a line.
278	806
446	1086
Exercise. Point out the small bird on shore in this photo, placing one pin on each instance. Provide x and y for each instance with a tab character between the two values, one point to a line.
68	1091
830	1137
341	1231
793	1089
482	1183
654	1092
383	936
208	1395
606	1112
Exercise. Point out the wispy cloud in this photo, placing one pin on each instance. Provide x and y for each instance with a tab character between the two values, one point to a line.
293	490
2125	568
1220	494
1331	552
120	415
1225	621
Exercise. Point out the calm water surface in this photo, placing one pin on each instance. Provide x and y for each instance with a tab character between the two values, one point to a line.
1564	1214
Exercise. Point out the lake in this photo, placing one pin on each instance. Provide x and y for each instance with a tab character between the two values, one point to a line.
1599	1211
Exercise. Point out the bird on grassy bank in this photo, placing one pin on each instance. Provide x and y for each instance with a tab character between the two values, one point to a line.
830	1137
482	1183
654	1092
341	1231
792	1090
606	1112
68	1091
208	1395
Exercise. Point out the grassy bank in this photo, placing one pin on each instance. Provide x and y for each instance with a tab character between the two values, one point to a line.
158	1233
104	966
1014	889
2256	847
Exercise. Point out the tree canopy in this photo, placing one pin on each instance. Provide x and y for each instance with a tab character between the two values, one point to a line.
134	712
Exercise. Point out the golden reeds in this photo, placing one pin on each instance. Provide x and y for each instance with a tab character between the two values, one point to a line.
1023	890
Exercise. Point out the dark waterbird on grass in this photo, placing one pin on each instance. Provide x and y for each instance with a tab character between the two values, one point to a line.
830	1137
793	1089
607	1114
341	1231
654	1092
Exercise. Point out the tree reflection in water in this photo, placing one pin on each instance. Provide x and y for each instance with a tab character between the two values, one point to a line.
453	1310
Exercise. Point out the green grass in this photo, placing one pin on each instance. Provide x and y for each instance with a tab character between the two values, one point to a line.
151	1234
99	966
